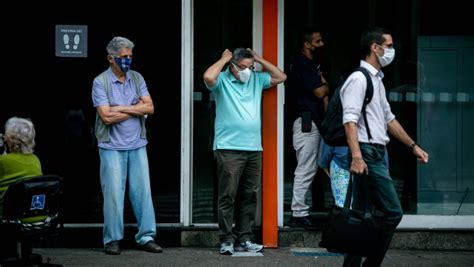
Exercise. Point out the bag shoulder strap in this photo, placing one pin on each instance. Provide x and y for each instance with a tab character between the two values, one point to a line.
369	93
348	200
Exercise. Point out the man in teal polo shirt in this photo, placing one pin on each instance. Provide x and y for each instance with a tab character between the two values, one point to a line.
237	141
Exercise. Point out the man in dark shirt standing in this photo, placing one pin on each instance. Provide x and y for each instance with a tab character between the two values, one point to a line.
308	85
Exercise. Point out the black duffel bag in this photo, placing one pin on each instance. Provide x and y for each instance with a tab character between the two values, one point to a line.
351	231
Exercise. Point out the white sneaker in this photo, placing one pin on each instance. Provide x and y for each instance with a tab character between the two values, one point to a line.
227	248
249	246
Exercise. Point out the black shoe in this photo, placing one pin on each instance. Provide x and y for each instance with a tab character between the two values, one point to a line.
302	222
150	246
112	248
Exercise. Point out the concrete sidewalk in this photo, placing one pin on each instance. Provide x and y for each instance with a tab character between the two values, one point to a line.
180	256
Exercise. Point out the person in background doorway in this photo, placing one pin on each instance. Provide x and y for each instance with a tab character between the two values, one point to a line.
237	143
308	85
122	101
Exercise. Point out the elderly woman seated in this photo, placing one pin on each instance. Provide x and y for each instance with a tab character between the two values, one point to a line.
19	162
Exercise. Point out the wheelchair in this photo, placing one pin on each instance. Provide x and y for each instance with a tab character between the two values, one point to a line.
31	213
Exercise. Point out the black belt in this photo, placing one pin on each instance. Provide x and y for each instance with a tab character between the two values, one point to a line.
373	144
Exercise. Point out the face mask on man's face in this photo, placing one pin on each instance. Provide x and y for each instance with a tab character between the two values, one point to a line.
388	56
244	75
123	63
316	49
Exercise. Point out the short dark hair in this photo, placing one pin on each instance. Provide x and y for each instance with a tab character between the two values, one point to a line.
370	36
307	33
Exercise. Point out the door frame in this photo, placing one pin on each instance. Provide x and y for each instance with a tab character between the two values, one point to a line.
187	56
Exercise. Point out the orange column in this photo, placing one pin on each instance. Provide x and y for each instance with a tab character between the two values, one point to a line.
269	132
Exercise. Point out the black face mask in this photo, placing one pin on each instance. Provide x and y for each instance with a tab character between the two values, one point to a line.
317	51
317	54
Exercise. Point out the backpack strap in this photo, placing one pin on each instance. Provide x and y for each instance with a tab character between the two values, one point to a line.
369	93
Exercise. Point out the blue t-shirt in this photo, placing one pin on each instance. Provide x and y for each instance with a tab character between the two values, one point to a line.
124	135
238	111
338	154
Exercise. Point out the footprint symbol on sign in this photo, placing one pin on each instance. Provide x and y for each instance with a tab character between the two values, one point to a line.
66	40
77	39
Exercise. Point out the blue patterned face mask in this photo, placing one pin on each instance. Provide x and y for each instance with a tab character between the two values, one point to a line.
124	63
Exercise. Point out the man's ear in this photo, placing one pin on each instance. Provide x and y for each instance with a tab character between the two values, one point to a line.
373	47
307	44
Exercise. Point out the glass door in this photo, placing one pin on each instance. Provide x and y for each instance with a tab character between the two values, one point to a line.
218	25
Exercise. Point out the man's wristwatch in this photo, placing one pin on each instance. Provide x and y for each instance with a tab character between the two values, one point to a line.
412	145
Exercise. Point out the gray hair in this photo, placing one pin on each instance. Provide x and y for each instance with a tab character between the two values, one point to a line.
20	135
239	54
117	43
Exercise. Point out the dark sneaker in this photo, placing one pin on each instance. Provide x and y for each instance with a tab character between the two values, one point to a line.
227	248
302	222
112	248
248	246
150	246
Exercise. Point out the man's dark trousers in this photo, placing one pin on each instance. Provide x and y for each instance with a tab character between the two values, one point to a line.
382	196
239	174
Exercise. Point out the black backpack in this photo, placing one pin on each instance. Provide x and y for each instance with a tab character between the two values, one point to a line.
332	129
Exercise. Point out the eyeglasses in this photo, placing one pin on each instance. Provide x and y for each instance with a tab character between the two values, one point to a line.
243	67
124	56
385	46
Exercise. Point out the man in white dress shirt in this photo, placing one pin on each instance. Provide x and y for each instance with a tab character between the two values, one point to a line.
367	154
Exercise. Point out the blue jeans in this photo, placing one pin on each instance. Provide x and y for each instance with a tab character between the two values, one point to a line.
115	166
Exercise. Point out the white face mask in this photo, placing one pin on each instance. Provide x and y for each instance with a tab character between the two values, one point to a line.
244	75
388	56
